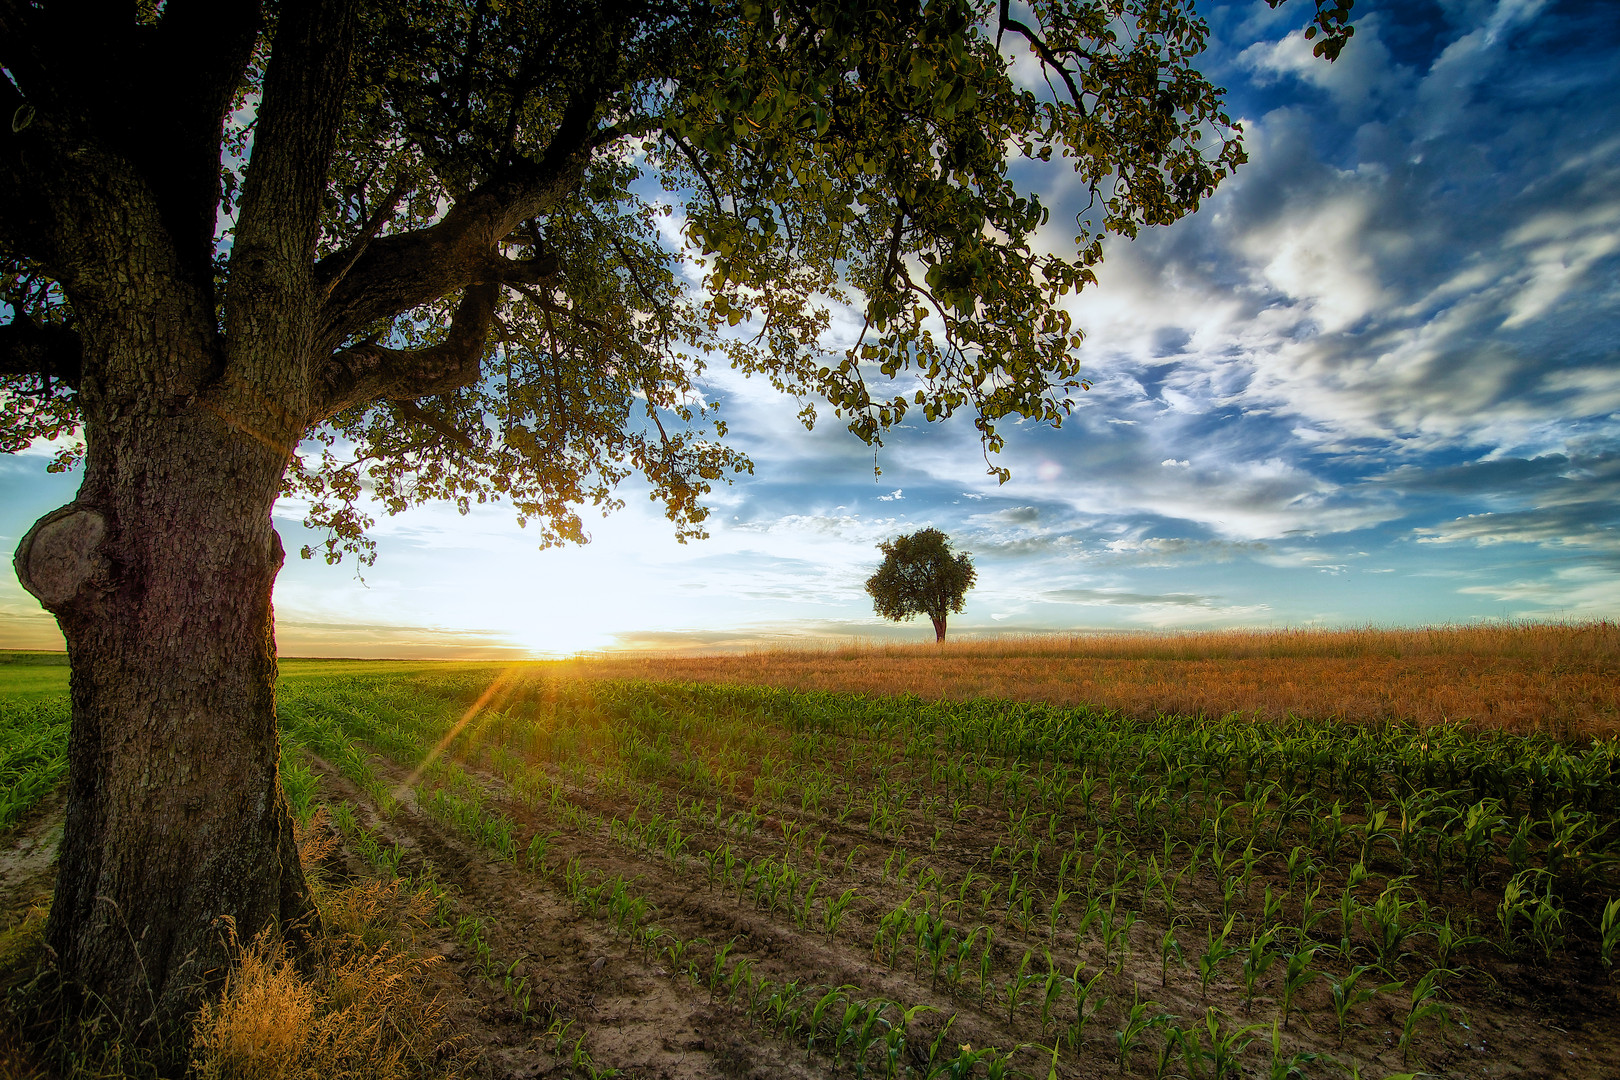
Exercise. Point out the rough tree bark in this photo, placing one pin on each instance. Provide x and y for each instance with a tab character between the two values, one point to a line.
177	833
939	627
178	838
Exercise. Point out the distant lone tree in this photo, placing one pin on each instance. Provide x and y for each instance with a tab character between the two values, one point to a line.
921	575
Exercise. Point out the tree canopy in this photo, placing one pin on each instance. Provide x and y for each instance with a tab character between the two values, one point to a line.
921	575
542	221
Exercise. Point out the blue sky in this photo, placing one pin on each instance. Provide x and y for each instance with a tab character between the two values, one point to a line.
1376	379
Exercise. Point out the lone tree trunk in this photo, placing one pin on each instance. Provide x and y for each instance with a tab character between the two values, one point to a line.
177	831
939	627
178	840
160	575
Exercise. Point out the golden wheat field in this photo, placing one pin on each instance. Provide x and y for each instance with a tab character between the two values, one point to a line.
1561	679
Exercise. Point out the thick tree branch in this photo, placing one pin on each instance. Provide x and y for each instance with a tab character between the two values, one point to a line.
369	371
154	95
399	273
51	352
379	217
433	421
298	120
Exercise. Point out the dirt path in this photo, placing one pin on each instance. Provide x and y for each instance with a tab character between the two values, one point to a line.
28	856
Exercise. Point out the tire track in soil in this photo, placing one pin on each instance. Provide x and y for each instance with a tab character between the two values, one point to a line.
636	1017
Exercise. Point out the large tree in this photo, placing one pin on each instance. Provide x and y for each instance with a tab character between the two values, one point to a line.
921	575
353	250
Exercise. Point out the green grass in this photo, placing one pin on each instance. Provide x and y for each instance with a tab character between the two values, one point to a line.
34	715
45	674
33	752
32	674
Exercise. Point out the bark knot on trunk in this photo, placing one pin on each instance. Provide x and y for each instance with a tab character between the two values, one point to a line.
61	555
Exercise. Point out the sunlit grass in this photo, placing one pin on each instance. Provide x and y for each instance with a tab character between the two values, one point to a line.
1556	678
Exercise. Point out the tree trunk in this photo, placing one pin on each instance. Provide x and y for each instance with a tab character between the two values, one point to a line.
178	837
939	627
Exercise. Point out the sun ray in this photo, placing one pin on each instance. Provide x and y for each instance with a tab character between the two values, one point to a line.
501	685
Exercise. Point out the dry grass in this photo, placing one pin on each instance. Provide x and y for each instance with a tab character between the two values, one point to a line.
356	1005
362	1015
1556	678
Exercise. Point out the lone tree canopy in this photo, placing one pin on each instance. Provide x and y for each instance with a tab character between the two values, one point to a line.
373	253
921	575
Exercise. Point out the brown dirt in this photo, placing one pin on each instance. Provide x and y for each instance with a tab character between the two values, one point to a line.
28	857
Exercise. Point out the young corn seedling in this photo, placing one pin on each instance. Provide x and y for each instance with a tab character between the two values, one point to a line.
1222	1049
1516	898
1377	828
1270	908
1052	915
1480	825
1349	905
1609	931
1386	924
1013	991
1300	865
539	845
891	932
894	1042
1256	964
1085	1004
780	1005
1426	1003
959	954
1168	1050
1296	976
986	981
1137	1022
933	936
1347	995
1518	849
1291	1067
1448	940
717	967
1547	921
1168	884
834	910
1215	953
1023	914
857	1031
1309	917
741	979
804	910
819	1013
1169	945
1051	993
